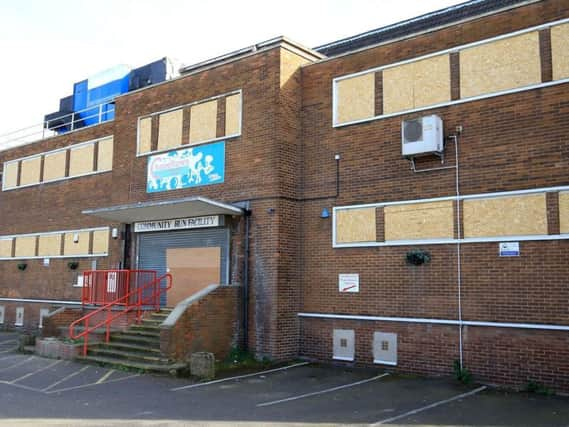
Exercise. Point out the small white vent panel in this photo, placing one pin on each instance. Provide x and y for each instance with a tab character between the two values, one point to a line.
1	315
385	348
344	344
19	316
43	312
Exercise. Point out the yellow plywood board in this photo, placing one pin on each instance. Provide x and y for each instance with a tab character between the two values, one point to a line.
81	160
505	216
416	84
26	246
170	129
233	114
203	121
355	98
6	248
30	171
355	225
559	53
500	65
101	241
105	154
145	135
564	212
49	245
419	221
10	174
54	165
79	248
398	90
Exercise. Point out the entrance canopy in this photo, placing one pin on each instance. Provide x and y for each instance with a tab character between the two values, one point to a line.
166	209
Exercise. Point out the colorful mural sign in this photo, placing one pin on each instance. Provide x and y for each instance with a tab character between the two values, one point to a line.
187	167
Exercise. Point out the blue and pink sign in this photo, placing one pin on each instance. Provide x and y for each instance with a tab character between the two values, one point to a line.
186	168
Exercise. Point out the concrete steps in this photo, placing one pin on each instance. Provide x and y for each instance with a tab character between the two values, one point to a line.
137	348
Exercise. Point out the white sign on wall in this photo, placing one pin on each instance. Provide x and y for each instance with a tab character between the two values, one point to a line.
178	224
510	249
349	282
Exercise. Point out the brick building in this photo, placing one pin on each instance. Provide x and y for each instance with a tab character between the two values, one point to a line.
277	172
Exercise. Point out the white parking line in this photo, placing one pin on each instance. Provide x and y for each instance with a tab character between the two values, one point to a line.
186	387
10	357
57	362
21	362
104	377
71	375
328	390
10	350
431	406
92	384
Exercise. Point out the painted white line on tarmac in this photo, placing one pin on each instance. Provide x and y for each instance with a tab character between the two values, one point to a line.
24	387
10	350
186	387
10	357
328	390
431	406
21	362
57	362
106	376
71	375
91	384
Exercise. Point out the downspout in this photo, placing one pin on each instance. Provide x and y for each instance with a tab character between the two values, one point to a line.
245	293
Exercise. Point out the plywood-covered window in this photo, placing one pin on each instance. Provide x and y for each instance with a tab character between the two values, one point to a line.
49	245
356	225
419	221
54	166
81	160
559	54
416	84
355	98
25	246
6	247
564	212
30	173
505	216
100	241
500	65
10	175
170	129
105	155
203	121
77	243
145	135
233	114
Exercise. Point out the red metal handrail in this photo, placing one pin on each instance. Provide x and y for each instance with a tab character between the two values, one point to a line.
103	286
123	302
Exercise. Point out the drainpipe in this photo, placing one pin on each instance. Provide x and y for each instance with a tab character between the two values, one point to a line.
245	293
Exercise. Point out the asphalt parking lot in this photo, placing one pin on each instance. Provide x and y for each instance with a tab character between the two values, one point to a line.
38	391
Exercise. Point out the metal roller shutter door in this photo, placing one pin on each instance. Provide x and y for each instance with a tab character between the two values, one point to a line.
152	248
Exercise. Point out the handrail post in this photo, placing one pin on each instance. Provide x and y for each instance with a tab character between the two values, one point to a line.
108	332
86	337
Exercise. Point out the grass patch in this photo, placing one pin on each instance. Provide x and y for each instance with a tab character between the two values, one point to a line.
240	360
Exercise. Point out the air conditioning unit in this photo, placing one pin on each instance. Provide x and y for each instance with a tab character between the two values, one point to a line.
422	136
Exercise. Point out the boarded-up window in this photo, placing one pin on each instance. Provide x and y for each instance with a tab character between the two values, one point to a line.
564	212
355	98
419	221
26	246
49	245
170	129
355	225
54	166
505	216
105	154
10	175
203	121
78	247
81	160
145	135
500	65
6	248
559	53
233	114
100	241
416	84
30	171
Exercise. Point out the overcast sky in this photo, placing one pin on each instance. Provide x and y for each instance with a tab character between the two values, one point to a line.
47	45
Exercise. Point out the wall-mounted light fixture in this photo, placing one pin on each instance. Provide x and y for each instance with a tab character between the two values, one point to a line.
75	237
325	213
115	233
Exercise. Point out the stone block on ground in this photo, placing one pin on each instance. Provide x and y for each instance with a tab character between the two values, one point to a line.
202	365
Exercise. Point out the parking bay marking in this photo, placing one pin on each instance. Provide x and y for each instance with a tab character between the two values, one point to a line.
57	362
21	362
92	384
328	390
71	375
431	406
186	387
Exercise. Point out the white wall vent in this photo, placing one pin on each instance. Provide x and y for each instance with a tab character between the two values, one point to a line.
43	313
344	344
19	316
385	348
1	314
423	135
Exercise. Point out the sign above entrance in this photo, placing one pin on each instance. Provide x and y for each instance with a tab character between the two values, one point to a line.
178	224
186	168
